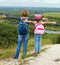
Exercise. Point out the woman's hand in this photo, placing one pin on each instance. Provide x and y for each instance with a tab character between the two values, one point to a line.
2	16
45	19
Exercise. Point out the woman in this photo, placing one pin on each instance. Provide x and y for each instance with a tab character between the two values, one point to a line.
21	38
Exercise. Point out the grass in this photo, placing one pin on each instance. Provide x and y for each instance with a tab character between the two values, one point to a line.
52	14
54	28
29	55
33	55
25	61
47	39
9	52
6	53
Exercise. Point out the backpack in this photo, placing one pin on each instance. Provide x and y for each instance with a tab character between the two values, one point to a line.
23	27
39	29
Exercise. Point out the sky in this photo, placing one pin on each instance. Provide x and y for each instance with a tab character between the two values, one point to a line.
31	3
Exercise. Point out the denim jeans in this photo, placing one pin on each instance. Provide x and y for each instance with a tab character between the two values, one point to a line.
38	40
21	39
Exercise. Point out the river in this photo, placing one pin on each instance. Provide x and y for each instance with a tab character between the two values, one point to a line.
51	31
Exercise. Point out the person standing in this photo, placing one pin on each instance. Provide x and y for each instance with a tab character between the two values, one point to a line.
39	31
22	35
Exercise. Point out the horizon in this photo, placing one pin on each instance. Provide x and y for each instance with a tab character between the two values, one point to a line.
29	6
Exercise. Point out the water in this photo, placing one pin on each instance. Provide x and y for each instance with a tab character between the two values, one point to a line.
51	31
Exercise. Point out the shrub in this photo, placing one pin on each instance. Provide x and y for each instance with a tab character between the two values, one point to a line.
58	39
8	35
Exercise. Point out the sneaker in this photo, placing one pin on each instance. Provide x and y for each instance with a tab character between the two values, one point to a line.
35	53
15	57
38	52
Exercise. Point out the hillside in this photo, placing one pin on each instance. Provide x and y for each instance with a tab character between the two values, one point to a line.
50	56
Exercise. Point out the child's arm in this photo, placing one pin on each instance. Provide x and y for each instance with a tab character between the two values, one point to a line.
49	22
46	19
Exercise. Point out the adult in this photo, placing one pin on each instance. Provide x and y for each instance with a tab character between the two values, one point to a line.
21	38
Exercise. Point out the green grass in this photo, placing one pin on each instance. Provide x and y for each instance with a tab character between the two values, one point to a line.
9	52
47	39
6	53
52	14
12	26
55	28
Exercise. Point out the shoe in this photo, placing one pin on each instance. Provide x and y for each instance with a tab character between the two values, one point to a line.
35	53
38	52
15	57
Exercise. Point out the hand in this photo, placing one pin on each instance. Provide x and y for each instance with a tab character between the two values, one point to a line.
45	18
2	16
54	22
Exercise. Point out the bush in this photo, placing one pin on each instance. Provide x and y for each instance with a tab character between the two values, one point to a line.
58	39
8	35
55	38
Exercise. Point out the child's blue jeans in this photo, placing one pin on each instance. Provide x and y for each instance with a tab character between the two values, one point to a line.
21	39
38	40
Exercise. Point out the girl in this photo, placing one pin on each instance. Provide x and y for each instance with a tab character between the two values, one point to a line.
38	31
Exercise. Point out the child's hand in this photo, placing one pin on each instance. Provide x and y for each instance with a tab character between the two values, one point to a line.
2	16
54	22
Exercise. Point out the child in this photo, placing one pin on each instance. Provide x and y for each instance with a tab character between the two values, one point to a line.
38	31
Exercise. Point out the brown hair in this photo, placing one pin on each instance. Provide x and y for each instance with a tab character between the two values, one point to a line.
25	13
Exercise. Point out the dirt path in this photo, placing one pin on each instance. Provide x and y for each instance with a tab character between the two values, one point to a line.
50	56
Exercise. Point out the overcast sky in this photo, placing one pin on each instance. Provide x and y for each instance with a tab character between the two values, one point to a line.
31	3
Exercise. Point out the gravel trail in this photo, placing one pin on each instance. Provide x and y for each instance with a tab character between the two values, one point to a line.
50	56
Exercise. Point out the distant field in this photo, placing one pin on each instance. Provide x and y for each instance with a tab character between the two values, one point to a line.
52	14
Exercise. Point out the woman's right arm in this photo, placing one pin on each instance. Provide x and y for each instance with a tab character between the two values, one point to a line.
32	20
3	16
9	17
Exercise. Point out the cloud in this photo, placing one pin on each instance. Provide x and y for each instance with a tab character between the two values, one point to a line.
25	0
28	1
22	0
47	1
37	0
32	3
52	1
2	0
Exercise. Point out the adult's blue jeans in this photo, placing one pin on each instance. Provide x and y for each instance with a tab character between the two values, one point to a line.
21	39
38	40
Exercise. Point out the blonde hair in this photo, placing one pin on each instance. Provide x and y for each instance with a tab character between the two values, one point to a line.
25	13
